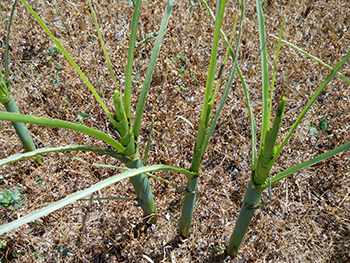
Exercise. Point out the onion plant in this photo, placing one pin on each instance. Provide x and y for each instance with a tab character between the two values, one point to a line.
7	99
206	129
264	159
124	129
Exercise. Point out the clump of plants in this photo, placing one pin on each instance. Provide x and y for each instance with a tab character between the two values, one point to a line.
125	131
123	139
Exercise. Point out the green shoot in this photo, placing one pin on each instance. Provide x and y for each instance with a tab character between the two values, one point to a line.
64	251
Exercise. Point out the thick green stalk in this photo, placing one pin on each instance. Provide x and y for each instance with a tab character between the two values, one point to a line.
250	202
140	182
252	195
22	130
122	127
188	206
143	191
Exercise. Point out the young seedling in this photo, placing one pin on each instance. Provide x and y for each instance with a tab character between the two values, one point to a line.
64	252
14	199
313	131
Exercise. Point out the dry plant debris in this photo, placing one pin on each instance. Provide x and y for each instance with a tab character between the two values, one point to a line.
309	217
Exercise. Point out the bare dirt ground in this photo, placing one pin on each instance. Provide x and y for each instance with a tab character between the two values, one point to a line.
308	219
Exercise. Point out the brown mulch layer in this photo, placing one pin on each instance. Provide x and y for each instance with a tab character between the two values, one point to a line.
308	219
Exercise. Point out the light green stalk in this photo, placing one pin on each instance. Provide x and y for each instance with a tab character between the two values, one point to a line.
22	130
258	177
187	211
250	202
143	191
267	151
122	123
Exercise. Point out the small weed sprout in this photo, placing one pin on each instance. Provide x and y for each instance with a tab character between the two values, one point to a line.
64	251
14	199
318	133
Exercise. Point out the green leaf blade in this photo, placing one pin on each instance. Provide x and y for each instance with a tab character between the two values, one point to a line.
14	117
151	66
81	194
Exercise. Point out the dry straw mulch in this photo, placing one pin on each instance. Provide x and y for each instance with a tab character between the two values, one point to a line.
308	219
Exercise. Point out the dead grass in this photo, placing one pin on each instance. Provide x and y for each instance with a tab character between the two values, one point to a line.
308	219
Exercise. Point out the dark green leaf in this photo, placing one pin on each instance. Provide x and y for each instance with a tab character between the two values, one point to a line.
323	124
83	115
58	67
57	81
137	74
65	252
59	248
